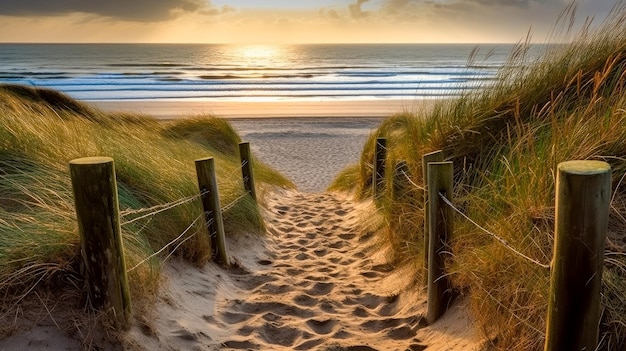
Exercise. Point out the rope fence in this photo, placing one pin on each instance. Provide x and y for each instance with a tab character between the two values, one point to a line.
583	199
152	211
100	221
412	182
167	245
234	202
171	205
501	240
497	237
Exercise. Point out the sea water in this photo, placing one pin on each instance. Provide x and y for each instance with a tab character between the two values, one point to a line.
251	72
309	151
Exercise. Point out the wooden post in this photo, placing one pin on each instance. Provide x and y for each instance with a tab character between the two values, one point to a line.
102	250
207	182
400	181
246	169
582	212
440	229
436	156
378	176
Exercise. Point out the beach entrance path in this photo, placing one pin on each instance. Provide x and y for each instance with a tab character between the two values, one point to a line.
317	281
319	286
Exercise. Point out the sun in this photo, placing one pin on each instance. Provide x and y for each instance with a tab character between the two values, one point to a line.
259	55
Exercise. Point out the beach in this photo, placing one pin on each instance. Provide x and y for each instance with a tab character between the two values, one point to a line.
309	142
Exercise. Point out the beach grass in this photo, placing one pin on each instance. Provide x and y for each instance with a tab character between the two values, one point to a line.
506	140
42	130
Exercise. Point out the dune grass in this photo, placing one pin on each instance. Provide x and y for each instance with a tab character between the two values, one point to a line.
506	140
42	130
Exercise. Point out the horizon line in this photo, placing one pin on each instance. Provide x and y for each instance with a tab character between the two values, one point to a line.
270	44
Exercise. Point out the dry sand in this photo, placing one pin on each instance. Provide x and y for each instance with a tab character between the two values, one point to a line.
309	151
317	281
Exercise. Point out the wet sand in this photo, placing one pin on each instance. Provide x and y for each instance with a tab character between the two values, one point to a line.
293	109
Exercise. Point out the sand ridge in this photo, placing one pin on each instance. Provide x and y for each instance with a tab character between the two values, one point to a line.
317	281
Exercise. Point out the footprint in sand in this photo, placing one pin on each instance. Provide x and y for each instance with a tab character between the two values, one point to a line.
305	300
279	335
320	253
235	318
347	236
321	289
322	327
302	257
241	345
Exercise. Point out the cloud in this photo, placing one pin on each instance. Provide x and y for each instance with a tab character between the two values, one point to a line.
212	11
133	10
520	3
355	9
394	6
329	14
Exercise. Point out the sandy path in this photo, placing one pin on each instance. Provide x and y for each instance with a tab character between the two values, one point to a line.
319	286
317	281
309	151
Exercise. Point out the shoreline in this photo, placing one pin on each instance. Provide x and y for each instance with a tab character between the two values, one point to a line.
173	109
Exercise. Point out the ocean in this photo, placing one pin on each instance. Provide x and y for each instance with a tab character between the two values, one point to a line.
254	73
310	151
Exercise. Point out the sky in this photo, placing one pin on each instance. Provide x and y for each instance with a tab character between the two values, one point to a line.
287	21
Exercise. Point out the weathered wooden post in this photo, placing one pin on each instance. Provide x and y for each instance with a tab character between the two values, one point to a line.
582	212
400	181
97	211
378	176
207	182
246	169
440	229
436	156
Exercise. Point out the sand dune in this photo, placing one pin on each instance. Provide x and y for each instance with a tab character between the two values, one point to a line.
318	281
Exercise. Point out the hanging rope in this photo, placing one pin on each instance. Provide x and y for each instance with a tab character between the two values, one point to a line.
157	209
413	183
168	244
498	238
234	202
